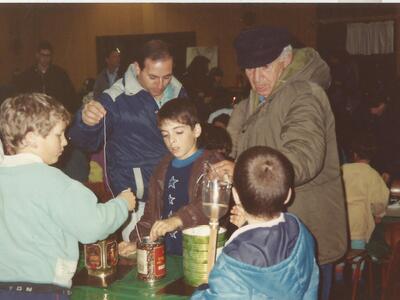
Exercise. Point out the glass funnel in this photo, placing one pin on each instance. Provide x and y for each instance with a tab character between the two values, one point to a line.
216	192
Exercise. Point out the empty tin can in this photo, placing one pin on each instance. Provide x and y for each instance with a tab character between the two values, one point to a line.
151	259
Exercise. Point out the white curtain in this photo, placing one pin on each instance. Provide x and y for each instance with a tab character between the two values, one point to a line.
370	38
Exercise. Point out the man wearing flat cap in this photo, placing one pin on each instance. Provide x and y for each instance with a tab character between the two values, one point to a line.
288	110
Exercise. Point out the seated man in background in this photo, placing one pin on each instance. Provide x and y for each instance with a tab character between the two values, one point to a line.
110	74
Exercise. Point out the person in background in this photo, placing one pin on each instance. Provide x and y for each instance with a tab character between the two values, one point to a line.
110	74
273	255
124	122
367	195
197	83
220	97
216	138
48	78
221	120
379	115
44	212
288	110
174	201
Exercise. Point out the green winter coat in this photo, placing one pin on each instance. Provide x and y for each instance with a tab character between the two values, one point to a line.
297	120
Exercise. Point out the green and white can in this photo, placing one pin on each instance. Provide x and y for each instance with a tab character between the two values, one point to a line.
195	253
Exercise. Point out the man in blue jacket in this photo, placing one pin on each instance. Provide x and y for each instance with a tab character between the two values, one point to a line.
124	121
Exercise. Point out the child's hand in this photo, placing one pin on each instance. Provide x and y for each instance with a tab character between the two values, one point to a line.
161	227
129	197
238	216
126	248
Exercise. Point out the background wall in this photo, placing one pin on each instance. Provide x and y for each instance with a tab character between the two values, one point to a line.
72	29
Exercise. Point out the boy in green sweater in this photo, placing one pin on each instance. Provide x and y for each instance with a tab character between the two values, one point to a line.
43	212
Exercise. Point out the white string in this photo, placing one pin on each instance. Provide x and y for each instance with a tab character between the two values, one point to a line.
106	175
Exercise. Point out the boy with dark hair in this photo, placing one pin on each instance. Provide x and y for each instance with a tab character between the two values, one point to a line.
366	192
174	201
43	212
273	256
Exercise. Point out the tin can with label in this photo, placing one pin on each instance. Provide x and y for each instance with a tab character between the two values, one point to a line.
101	258
151	259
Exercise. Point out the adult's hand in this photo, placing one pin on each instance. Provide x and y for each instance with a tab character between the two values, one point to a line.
224	168
93	112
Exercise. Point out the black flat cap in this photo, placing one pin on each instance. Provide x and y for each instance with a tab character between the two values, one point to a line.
260	46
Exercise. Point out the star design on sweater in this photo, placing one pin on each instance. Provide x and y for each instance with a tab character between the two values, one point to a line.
172	182
171	199
170	213
173	234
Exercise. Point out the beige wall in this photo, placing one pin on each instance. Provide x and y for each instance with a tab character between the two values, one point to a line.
72	29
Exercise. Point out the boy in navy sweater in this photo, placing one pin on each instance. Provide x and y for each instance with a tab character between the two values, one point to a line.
174	201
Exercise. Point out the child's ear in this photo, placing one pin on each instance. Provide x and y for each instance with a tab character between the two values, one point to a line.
236	197
197	130
30	140
289	195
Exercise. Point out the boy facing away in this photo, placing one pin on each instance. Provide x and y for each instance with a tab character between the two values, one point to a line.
366	192
174	199
273	256
43	212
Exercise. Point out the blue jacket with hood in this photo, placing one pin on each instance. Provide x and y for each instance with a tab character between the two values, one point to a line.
265	262
133	142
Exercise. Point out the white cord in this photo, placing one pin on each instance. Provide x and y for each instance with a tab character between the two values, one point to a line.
106	175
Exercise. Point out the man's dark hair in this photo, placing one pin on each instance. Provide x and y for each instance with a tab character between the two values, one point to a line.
222	118
153	50
45	45
364	145
215	138
110	50
262	178
181	110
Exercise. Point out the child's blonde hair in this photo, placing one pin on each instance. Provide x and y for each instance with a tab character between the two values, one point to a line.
26	113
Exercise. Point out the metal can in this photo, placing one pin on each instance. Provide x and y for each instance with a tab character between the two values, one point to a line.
151	259
101	258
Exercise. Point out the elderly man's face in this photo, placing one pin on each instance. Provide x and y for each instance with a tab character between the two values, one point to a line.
155	76
264	78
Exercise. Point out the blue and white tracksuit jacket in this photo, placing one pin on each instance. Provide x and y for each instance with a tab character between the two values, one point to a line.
271	260
133	142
